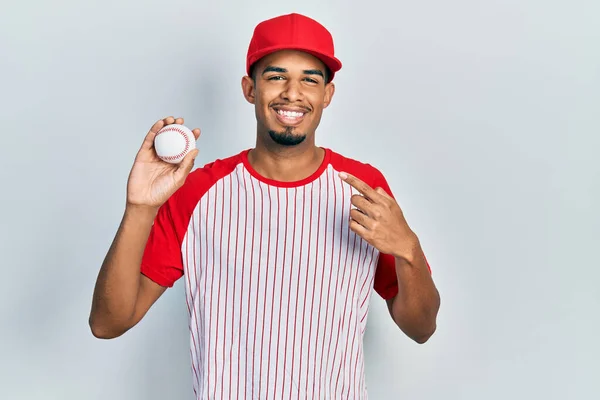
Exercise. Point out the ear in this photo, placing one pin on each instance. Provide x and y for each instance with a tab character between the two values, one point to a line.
248	88
329	91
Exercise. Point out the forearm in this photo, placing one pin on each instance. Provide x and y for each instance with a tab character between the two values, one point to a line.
118	283
415	307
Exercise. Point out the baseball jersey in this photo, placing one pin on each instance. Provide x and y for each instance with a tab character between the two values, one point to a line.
277	286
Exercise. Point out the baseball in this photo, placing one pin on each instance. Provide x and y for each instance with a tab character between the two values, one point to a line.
173	142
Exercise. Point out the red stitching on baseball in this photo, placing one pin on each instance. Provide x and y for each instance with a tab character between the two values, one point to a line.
187	141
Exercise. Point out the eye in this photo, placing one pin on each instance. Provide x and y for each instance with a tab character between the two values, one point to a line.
275	78
311	80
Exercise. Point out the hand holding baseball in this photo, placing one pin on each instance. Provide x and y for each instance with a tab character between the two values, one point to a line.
379	220
153	180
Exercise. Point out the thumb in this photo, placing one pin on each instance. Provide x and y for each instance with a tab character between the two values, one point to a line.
186	165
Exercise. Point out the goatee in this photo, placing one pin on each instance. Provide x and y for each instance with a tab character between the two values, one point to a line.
287	138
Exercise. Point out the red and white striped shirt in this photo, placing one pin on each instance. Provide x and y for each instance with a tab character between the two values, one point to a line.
277	285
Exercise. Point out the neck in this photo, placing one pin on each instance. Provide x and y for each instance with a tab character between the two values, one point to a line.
286	163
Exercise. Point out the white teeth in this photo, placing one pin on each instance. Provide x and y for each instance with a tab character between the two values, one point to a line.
290	114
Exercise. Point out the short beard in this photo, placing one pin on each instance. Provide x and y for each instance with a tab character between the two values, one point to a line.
286	138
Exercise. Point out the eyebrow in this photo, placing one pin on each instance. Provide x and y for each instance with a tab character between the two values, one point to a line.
271	68
314	72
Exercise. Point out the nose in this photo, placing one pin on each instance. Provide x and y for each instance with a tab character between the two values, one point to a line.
292	91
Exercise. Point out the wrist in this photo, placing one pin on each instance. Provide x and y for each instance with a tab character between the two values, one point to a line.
410	250
140	212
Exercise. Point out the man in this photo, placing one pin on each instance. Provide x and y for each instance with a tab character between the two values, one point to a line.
279	245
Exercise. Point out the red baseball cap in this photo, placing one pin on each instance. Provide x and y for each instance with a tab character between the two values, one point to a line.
292	32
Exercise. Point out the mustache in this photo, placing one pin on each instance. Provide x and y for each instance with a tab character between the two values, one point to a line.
305	108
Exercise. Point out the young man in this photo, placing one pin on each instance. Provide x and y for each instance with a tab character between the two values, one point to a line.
279	246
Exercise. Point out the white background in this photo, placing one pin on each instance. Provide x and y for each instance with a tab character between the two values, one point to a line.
483	116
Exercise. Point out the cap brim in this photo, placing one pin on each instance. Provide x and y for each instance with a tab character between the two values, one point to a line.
332	63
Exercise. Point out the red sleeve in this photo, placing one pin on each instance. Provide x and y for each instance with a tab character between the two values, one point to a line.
386	280
162	260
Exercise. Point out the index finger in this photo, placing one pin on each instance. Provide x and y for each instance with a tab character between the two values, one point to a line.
361	186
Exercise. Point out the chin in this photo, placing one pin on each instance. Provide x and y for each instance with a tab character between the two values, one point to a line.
286	137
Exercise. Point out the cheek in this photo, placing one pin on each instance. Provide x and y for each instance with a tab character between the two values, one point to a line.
316	100
265	99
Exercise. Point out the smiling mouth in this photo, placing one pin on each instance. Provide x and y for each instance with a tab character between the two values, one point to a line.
289	117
